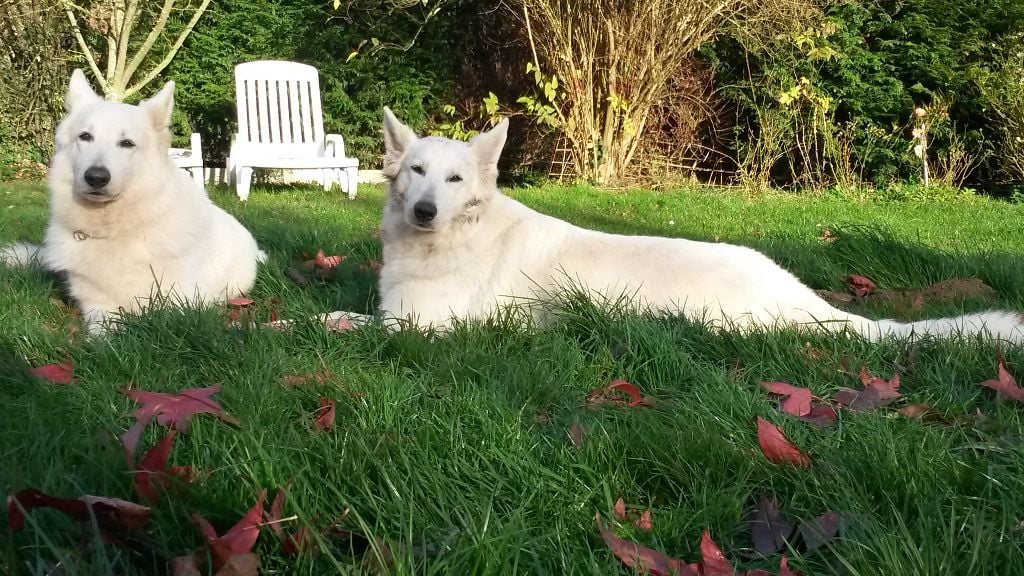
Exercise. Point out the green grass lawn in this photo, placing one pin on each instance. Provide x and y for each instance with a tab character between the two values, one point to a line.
451	455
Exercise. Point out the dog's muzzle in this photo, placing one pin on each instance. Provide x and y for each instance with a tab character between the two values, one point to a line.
424	211
97	178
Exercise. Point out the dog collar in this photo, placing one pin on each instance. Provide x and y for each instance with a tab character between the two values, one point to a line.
82	236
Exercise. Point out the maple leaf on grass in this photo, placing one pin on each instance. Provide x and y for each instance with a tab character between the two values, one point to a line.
713	562
291	544
236	541
776	447
1005	384
642	522
153	471
325	414
577	433
860	286
110	513
784	568
821	415
877	392
172	410
60	373
797	400
819	531
613	394
769	528
643	559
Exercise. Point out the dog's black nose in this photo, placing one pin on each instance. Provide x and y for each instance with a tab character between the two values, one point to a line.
424	210
97	176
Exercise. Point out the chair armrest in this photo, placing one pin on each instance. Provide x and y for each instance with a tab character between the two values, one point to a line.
334	145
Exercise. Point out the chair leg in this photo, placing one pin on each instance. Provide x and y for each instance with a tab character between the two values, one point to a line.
243	181
351	178
199	178
325	178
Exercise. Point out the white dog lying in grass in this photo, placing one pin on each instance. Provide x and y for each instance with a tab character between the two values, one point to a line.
454	246
125	223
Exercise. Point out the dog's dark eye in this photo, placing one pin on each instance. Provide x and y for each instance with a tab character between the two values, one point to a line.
126	143
417	169
455	178
85	137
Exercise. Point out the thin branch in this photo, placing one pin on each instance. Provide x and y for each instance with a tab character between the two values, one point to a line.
170	53
124	36
158	29
85	47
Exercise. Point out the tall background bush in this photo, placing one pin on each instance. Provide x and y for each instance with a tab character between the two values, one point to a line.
802	93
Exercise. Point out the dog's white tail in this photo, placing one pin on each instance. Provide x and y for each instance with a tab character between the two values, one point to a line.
19	254
993	324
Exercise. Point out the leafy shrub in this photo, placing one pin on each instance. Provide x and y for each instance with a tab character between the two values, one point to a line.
884	59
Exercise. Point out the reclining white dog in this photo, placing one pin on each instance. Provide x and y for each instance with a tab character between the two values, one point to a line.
455	247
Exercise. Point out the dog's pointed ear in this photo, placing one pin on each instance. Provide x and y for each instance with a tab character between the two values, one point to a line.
79	91
397	138
487	146
160	106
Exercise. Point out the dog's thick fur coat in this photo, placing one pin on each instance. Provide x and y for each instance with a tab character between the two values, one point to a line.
125	223
455	247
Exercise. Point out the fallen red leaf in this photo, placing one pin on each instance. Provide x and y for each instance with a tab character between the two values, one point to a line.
641	558
712	560
321	377
819	531
172	410
153	470
325	414
769	529
797	400
60	373
612	393
877	392
577	433
1005	384
322	261
821	416
239	539
240	302
915	410
110	513
777	447
620	509
644	521
860	286
784	568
